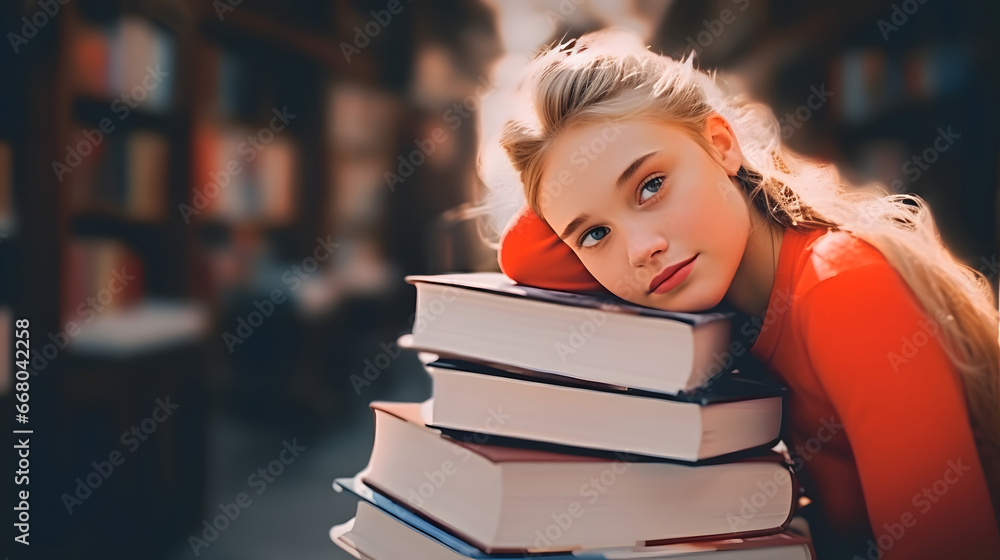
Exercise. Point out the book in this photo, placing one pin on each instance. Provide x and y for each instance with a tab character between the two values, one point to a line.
239	180
731	414
378	534
486	316
102	274
140	65
506	499
90	56
147	170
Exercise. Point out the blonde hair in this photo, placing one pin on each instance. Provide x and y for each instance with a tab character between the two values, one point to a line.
609	75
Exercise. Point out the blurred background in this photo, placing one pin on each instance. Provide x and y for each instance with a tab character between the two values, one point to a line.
207	209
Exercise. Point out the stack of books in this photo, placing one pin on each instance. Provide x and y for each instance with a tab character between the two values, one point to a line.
569	425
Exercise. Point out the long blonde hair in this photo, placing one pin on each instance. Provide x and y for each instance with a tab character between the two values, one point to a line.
609	75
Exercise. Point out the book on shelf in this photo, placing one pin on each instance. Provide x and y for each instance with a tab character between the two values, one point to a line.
141	58
89	58
379	535
128	62
238	177
486	316
501	498
102	274
126	175
730	414
147	169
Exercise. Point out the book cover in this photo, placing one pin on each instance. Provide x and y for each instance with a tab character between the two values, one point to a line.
498	283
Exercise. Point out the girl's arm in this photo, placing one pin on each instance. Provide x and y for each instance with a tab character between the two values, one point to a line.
903	408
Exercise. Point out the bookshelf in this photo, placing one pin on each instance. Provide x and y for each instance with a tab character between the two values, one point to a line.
126	114
92	172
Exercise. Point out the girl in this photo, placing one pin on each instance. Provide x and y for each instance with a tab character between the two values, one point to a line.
643	177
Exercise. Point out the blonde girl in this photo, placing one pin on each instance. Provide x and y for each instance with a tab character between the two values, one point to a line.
657	184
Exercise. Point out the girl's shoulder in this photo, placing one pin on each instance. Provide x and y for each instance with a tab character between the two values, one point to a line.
843	263
831	253
841	273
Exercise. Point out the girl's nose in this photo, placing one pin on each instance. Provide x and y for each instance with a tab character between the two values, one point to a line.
643	246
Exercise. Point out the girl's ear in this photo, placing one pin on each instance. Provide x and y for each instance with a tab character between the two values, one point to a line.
721	136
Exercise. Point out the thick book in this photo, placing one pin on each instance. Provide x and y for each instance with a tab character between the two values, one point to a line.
488	317
731	413
379	535
505	499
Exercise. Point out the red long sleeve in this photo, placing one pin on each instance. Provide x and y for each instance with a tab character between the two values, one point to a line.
876	415
903	410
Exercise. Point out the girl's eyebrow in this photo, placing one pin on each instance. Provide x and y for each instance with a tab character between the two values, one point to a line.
631	169
622	180
573	225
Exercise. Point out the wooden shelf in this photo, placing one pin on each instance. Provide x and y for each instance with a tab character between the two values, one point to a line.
242	25
90	111
148	238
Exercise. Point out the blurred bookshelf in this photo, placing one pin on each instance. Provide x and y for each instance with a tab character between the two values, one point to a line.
105	164
181	159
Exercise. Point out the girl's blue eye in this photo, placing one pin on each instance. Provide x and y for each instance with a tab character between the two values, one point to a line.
596	234
651	186
600	230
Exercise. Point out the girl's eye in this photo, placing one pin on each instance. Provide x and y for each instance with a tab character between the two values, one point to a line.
595	234
651	187
648	190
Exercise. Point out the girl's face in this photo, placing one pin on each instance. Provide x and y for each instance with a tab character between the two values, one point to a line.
635	199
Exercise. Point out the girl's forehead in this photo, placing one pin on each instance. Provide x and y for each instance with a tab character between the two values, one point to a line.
587	164
612	145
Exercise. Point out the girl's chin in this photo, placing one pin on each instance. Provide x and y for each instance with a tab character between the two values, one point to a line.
684	301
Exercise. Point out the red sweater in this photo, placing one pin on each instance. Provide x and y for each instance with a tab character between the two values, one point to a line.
876	417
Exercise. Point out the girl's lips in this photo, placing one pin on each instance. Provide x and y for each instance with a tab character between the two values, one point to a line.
672	276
